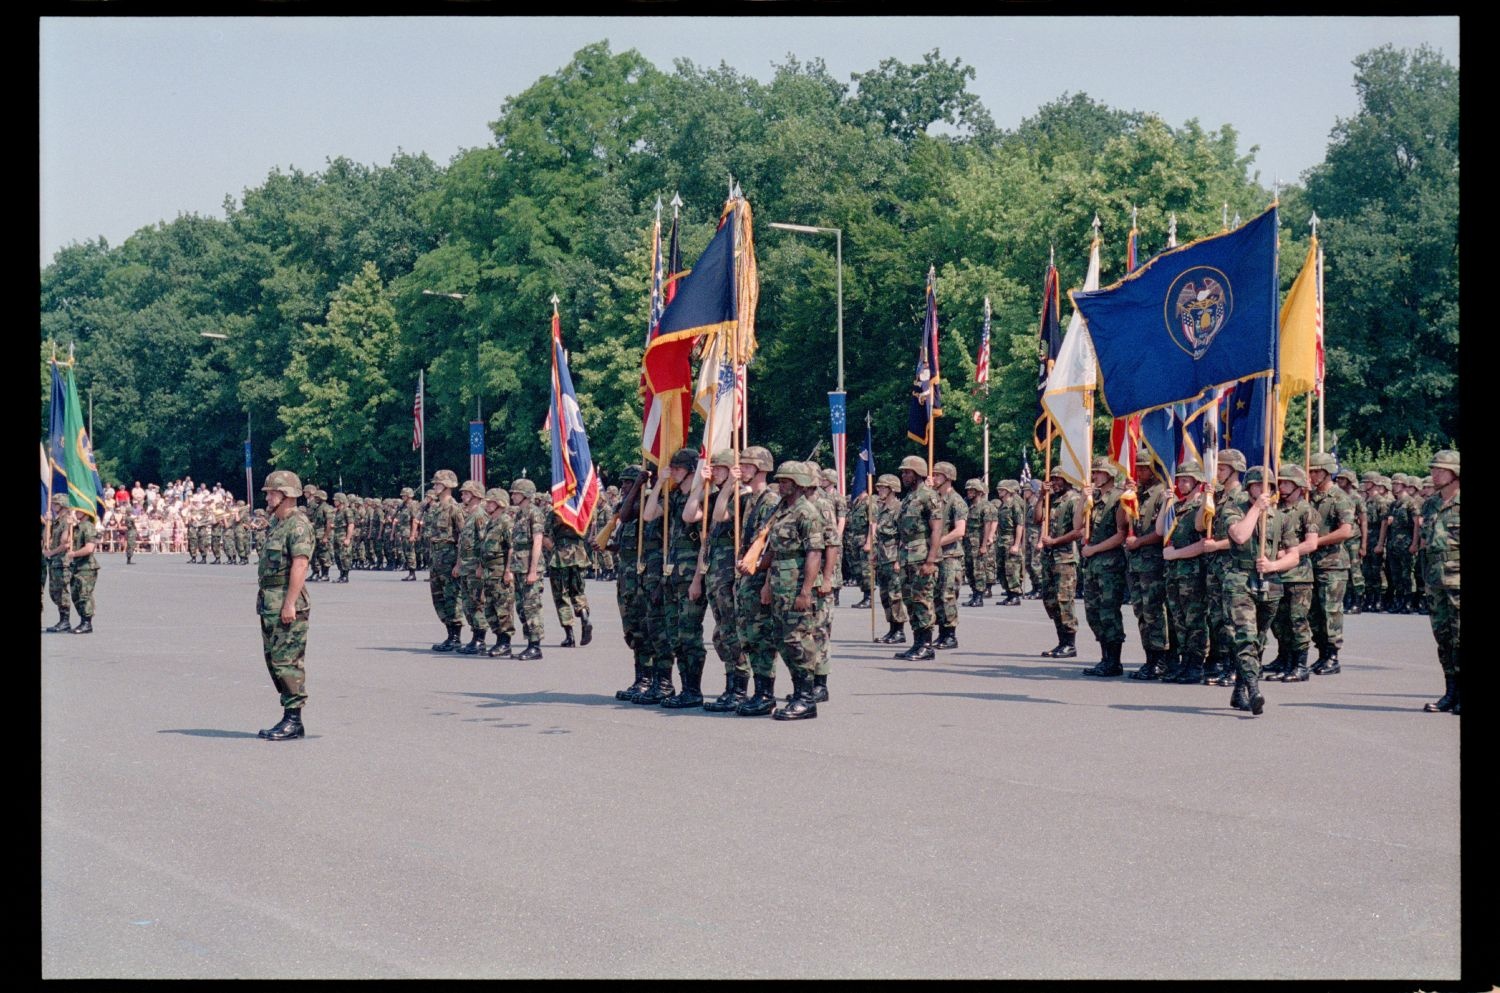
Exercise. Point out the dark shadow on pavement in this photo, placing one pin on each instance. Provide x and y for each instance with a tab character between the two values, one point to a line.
1356	706
1001	697
417	651
209	733
1196	711
1016	672
541	696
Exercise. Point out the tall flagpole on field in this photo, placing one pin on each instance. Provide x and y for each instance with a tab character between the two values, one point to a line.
1088	406
870	510
1273	390
422	406
986	412
1319	297
932	366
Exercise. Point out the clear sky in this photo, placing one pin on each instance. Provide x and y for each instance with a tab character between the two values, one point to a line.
143	119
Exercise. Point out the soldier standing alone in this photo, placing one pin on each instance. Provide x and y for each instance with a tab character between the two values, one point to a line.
282	602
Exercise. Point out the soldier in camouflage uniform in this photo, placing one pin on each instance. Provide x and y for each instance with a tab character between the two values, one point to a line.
1293	632
190	526
653	586
1428	490
1354	593
343	523
216	534
628	595
1440	566
682	617
470	574
979	541
1060	561
406	526
920	524
887	549
826	586
1399	538
792	561
567	559
840	507
242	532
443	523
499	592
1216	560
1330	563
1033	496
59	566
855	557
131	539
715	578
282	602
1251	580
1146	569
951	571
528	525
1010	540
84	570
1377	505
1103	554
756	626
1186	594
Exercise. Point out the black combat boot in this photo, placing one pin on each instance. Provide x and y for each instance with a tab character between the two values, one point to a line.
918	639
410	577
62	625
1330	664
290	727
1067	650
1152	669
1458	683
1444	703
1297	672
764	699
1192	670
1011	600
1240	698
975	600
895	636
1110	664
532	653
732	697
455	633
475	645
1051	653
820	689
802	706
642	676
502	647
922	650
588	629
863	604
85	626
567	641
1228	671
659	689
692	691
947	636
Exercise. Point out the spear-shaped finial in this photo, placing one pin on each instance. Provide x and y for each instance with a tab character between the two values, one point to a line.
554	304
676	203
1224	217
658	206
731	185
1095	226
1172	228
1312	222
1133	214
986	306
1051	255
931	273
1236	222
736	193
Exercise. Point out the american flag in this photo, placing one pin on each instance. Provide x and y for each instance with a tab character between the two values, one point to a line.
837	420
416	416
476	451
982	370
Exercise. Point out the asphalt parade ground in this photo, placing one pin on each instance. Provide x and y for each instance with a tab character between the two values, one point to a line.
988	814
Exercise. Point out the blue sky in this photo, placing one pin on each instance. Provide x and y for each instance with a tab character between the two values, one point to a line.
143	119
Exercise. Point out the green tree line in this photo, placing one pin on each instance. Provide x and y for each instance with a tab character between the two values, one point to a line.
332	290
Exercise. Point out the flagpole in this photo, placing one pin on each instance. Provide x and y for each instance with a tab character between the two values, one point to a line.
736	432
871	510
713	401
932	381
1046	481
1321	447
986	413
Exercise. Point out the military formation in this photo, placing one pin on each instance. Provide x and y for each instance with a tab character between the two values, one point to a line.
1211	568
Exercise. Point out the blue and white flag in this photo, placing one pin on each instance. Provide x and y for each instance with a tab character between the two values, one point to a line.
575	485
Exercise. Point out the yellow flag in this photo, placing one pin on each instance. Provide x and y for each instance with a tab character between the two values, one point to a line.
1301	320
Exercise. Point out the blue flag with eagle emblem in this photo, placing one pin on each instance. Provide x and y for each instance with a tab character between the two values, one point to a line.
575	485
1192	318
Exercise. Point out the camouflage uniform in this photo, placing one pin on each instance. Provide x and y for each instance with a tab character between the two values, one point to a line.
498	593
1060	572
919	507
1354	595
718	589
190	526
1033	554
682	617
471	583
1221	638
951	568
1330	571
797	531
59	568
1291	627
1147	575
1186	591
85	572
1398	558
1440	567
566	562
887	547
343	516
527	521
284	645
1252	599
1377	507
443	524
979	562
131	538
823	596
216	535
241	534
629	596
855	558
758	626
1105	592
1011	518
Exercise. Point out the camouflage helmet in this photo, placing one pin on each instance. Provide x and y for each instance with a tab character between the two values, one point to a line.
445	477
497	496
974	486
1324	461
893	483
830	477
1446	459
1192	469
947	469
759	457
283	481
630	473
1400	479
1426	481
1142	456
1369	476
523	486
406	491
723	457
796	472
1008	484
339	497
1057	473
914	463
239	503
1107	467
1291	472
1348	474
1234	458
472	486
684	458
1384	481
1255	474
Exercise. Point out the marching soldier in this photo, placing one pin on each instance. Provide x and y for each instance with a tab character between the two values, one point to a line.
1104	562
470	572
1033	497
1060	562
443	523
1398	541
83	568
1252	581
682	617
1216	559
528	522
282	601
499	589
887	548
921	529
793	560
407	523
951	574
715	580
216	534
824	497
567	558
651	568
1146	570
1291	626
1440	567
855	555
1330	562
1377	505
757	627
59	565
1182	551
131	538
343	535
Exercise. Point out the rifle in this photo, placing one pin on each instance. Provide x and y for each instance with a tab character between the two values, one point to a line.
601	540
750	562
